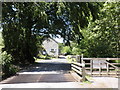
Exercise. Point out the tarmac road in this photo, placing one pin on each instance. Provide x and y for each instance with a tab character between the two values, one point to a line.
54	74
56	70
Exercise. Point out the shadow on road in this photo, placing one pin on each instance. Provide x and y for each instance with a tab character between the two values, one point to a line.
38	67
43	72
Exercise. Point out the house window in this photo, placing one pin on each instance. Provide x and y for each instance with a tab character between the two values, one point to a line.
52	50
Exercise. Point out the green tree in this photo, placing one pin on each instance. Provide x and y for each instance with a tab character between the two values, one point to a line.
106	42
66	50
101	37
68	18
18	34
25	25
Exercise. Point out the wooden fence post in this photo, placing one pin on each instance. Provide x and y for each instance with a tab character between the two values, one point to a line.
99	68
83	71
78	58
83	68
107	68
82	58
91	66
117	72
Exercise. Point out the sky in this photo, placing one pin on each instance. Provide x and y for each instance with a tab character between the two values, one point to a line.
60	40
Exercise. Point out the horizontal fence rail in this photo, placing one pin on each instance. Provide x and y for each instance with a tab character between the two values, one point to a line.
79	68
100	58
102	65
103	62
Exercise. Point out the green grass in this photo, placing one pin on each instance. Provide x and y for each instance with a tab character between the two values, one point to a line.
37	59
42	57
70	59
89	77
88	82
85	82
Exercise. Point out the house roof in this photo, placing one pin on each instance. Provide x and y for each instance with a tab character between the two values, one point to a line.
54	40
51	39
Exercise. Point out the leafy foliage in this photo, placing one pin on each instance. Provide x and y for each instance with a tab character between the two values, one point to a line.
19	38
66	50
8	68
27	24
92	27
107	31
67	19
101	37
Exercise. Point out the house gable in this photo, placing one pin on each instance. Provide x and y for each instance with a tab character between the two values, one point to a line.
51	46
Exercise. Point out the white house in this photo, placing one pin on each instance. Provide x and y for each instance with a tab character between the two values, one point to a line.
51	46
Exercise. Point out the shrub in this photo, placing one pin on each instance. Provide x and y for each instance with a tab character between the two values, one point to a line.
70	58
76	51
8	69
66	50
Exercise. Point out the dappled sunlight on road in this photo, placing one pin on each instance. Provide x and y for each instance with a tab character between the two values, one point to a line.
54	74
56	60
